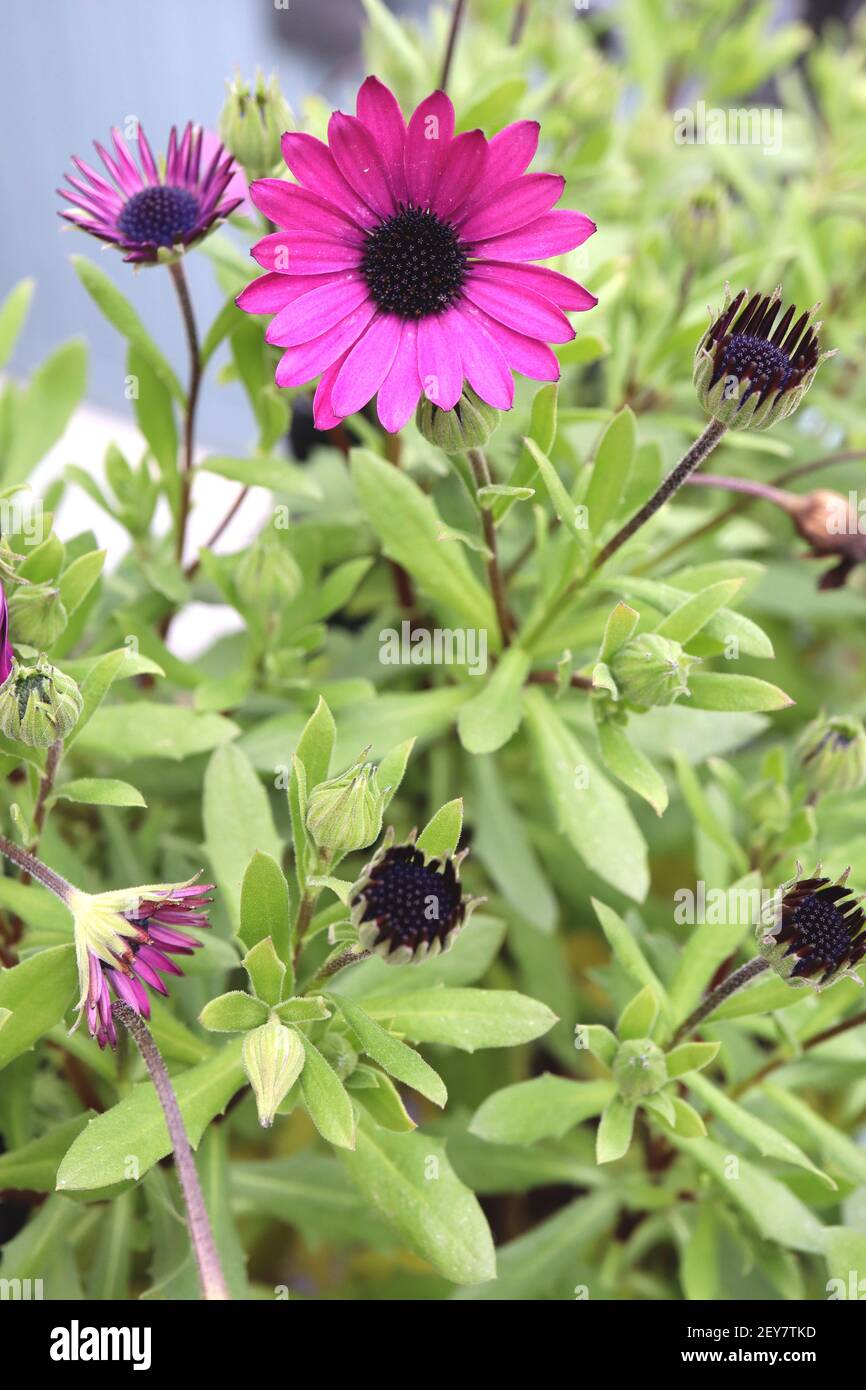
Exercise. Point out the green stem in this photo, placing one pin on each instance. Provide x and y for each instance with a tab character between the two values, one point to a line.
213	1284
483	477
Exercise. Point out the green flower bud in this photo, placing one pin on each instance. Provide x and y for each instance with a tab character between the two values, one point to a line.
639	1068
273	1057
38	705
751	367
651	670
468	426
832	754
345	813
252	122
267	574
37	615
700	225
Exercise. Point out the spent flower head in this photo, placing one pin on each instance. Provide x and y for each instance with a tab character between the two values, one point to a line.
753	368
812	932
124	941
408	907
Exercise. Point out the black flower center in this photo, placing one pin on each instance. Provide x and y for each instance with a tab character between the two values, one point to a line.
414	264
818	923
762	362
411	901
160	215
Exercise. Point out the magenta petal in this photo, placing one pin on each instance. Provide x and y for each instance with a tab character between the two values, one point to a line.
272	292
324	416
296	208
439	366
358	161
367	365
511	153
156	960
318	310
380	112
314	166
513	205
462	173
550	235
300	364
520	309
484	366
399	392
560	289
304	253
525	355
431	128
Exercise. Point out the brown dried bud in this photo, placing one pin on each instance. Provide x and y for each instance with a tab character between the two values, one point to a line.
831	526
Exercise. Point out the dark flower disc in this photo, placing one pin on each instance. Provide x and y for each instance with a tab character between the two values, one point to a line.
751	346
160	215
411	902
414	264
821	924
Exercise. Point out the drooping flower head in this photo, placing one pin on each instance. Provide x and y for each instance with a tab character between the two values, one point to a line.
403	261
751	370
407	906
6	654
149	213
124	941
814	935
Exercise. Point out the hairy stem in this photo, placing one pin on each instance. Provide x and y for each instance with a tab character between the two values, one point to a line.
348	957
193	566
483	478
691	460
774	1063
179	280
213	1284
46	786
716	996
36	869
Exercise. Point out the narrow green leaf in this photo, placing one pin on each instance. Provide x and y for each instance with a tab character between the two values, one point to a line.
234	1012
237	822
408	1179
326	1098
714	690
615	1129
610	470
493	716
397	1059
37	992
441	835
543	1108
264	908
464	1018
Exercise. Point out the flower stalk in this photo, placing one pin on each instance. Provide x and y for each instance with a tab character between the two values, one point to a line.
195	373
483	478
733	982
211	1278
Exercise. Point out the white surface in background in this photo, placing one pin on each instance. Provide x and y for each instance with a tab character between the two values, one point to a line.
84	443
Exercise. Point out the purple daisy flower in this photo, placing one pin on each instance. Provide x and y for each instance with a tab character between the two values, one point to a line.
150	215
6	656
403	263
124	942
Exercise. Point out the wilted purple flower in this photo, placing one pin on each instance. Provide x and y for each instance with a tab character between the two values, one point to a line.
153	216
124	941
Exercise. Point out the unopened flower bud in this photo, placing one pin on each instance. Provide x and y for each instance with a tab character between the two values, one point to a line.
273	1057
652	670
253	121
38	705
468	426
267	574
37	615
700	225
639	1068
345	813
832	754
